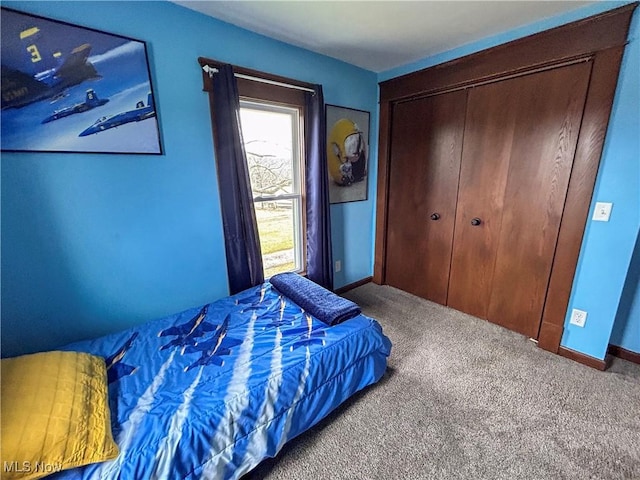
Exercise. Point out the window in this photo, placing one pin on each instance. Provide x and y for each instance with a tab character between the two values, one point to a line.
272	135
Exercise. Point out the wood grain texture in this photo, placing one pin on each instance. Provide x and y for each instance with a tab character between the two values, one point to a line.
488	138
550	336
576	39
250	89
384	135
583	176
549	110
426	144
600	38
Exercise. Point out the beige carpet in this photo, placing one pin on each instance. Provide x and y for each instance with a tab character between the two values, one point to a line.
466	399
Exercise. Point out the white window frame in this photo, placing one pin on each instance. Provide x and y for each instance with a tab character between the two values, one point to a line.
298	191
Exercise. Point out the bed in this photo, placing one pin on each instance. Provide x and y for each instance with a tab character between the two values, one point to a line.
210	392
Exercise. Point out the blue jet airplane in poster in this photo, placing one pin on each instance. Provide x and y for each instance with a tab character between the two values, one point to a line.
54	73
91	101
141	112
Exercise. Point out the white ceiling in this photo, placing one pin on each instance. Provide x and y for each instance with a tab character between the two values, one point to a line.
380	35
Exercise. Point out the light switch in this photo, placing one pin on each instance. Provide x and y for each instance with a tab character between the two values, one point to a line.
602	212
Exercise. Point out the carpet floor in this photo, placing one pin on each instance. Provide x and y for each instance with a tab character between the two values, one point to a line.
466	399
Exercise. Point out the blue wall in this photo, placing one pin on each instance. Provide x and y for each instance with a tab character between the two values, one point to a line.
626	330
95	243
607	248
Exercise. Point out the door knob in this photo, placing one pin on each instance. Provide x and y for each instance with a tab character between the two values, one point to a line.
476	221
435	216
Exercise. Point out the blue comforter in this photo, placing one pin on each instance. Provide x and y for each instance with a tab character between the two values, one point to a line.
210	392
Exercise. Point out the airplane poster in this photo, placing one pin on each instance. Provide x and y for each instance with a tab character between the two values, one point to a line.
67	88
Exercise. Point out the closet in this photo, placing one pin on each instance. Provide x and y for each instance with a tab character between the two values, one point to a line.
486	170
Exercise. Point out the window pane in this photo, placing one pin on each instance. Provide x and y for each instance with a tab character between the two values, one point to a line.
268	140
278	226
271	134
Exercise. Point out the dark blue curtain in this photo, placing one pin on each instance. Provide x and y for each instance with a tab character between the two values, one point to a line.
242	244
319	259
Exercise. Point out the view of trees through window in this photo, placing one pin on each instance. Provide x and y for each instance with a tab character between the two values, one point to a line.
271	137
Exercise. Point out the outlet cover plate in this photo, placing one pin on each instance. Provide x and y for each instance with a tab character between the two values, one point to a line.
578	317
602	212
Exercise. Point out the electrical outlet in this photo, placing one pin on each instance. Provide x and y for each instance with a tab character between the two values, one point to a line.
578	317
338	266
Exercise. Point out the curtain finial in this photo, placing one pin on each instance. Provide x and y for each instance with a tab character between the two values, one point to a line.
210	70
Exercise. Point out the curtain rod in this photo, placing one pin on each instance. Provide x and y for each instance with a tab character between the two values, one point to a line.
212	70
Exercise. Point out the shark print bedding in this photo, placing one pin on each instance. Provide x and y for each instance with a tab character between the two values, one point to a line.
210	392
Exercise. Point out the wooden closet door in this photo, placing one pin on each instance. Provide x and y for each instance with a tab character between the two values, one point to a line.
426	145
519	146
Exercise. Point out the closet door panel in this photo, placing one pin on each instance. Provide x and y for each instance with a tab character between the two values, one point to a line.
549	113
426	143
489	131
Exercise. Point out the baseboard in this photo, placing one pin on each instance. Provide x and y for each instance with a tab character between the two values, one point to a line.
353	285
623	353
587	360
